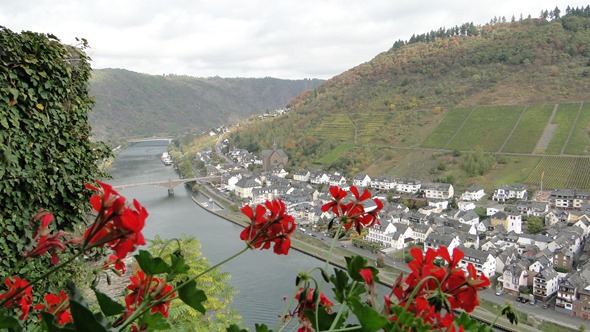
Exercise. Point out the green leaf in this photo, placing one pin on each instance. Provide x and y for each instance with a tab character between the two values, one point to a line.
155	321
235	328
83	318
192	296
108	306
354	264
261	328
369	319
178	265
8	322
151	265
325	319
340	281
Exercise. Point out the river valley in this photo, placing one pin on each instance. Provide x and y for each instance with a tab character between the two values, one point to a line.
262	278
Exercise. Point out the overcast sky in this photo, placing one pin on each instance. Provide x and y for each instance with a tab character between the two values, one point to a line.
290	39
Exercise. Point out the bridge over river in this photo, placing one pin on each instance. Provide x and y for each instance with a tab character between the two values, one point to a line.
168	184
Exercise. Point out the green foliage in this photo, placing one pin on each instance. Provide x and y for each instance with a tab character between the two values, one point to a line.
46	155
219	294
477	162
534	225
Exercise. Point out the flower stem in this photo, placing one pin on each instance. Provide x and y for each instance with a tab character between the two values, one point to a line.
138	313
332	245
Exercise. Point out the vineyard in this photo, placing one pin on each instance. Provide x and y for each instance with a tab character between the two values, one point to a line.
579	142
529	129
338	128
561	172
564	119
487	127
447	128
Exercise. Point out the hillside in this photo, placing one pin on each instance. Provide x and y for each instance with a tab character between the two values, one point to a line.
381	117
130	104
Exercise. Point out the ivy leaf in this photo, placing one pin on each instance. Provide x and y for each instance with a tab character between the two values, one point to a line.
192	296
151	265
39	106
369	319
108	306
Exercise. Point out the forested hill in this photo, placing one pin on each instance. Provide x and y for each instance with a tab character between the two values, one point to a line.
396	99
130	104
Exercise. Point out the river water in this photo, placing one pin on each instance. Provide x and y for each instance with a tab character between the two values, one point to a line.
262	278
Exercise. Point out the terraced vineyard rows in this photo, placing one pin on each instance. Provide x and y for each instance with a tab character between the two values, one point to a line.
529	129
564	119
561	172
579	142
337	128
487	127
447	128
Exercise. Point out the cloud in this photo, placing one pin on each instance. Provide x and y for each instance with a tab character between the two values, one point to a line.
257	38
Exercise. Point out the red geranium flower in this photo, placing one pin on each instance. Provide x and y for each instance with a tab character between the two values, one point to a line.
117	264
19	293
58	306
305	298
147	287
116	225
353	213
269	224
45	241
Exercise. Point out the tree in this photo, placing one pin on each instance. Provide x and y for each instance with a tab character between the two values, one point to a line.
534	225
215	285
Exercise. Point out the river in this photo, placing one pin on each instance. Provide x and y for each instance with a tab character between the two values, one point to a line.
262	278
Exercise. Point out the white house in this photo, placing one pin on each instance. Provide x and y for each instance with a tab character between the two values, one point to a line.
545	284
362	180
337	179
437	190
408	186
302	175
465	206
421	231
319	177
504	192
382	234
483	261
383	183
244	187
434	240
467	217
473	193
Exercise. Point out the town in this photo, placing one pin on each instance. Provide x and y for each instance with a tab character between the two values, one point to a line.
532	246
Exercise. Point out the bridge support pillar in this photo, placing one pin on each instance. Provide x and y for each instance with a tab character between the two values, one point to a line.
171	192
